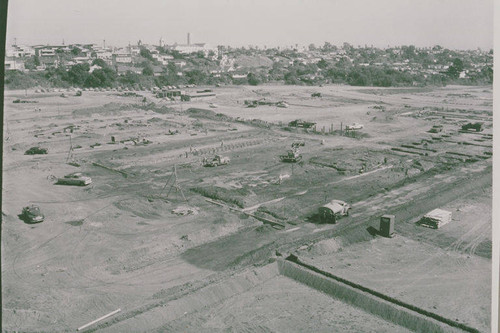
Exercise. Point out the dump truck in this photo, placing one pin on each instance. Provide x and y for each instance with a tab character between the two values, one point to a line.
216	161
291	156
75	179
32	214
333	210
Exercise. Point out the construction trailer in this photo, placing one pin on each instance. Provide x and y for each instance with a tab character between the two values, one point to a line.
435	218
387	225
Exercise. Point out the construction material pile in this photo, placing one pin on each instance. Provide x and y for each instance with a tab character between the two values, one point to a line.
436	218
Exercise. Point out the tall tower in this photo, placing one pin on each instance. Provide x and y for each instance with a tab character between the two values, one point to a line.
189	38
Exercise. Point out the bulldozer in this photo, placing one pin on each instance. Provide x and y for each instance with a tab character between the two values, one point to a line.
291	156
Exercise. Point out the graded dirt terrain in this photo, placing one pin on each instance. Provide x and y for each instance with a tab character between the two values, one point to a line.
181	247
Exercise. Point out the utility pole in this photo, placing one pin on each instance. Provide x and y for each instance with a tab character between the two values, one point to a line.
70	149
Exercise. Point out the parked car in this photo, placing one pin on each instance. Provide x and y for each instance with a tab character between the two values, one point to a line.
75	179
354	126
32	214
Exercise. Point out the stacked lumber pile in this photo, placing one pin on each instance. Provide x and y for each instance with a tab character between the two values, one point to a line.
436	218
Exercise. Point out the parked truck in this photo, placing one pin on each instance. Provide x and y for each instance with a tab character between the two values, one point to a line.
333	210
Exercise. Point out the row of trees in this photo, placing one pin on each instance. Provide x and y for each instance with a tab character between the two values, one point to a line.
342	71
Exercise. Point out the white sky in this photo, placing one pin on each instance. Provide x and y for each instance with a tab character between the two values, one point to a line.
457	24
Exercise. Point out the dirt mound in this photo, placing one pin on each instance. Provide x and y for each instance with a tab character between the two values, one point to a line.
207	114
324	247
143	208
106	109
185	210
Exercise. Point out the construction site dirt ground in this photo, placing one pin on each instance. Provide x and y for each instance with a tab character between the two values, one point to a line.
156	230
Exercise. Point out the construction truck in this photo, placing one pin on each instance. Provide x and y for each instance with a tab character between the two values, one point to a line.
216	161
291	156
333	210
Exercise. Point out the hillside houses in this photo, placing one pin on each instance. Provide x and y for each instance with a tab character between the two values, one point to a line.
291	65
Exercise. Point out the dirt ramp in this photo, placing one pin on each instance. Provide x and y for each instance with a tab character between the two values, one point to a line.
402	314
168	316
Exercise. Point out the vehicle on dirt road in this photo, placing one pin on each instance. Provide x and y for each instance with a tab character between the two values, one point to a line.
76	179
291	156
216	161
333	210
354	126
32	214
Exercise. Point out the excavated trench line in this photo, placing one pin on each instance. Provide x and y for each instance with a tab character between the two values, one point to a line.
381	305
